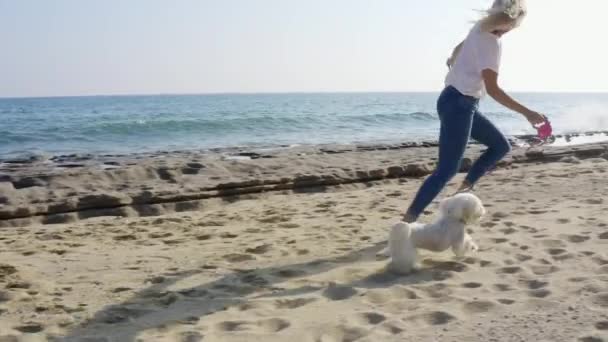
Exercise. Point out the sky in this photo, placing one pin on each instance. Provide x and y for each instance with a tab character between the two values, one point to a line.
103	47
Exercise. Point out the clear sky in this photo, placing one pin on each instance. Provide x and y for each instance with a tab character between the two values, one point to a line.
86	47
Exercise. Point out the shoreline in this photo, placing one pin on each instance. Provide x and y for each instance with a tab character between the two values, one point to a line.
516	141
67	189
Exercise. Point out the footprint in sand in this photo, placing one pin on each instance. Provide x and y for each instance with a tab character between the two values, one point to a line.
191	336
438	290
235	257
523	257
339	292
160	235
204	237
391	328
293	303
371	318
341	334
273	325
509	270
249	306
556	251
228	236
577	238
261	249
503	287
601	325
125	237
451	266
508	231
30	328
535	284
553	243
479	306
438	318
232	326
600	260
591	339
540	293
543	269
600	300
472	285
289	273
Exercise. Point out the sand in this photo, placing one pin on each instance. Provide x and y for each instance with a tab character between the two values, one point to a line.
299	263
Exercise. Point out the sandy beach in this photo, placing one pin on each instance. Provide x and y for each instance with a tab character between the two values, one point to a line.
281	246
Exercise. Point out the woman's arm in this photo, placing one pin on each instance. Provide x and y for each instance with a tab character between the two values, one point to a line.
455	52
490	78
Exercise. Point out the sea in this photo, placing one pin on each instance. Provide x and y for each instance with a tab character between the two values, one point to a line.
32	127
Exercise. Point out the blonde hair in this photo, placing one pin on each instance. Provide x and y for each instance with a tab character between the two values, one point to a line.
503	13
493	21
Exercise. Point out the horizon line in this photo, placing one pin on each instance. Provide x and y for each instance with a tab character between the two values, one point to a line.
284	93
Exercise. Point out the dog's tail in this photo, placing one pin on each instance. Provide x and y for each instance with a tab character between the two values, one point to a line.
401	248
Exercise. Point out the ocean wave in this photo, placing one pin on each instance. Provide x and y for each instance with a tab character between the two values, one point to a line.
266	123
160	122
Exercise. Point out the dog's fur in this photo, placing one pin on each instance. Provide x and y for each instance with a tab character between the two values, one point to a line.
447	232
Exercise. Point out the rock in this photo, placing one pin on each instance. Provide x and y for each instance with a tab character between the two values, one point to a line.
596	160
466	164
68	205
59	219
359	174
570	160
377	174
417	170
396	171
242	184
102	201
195	165
306	180
28	182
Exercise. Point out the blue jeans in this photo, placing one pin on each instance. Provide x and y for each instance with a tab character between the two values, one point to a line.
460	119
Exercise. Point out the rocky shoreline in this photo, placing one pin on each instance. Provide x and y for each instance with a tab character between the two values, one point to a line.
65	189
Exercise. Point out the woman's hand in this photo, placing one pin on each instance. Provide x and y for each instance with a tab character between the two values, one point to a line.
535	118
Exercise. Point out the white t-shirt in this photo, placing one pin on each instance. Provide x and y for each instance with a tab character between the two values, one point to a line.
480	50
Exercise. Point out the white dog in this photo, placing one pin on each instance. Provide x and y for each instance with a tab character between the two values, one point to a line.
447	232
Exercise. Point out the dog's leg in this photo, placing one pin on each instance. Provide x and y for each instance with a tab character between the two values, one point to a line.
466	245
402	249
469	244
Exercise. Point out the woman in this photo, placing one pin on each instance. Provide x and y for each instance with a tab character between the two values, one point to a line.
474	67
